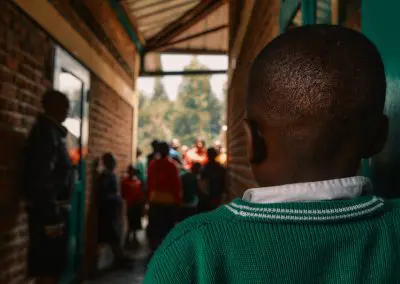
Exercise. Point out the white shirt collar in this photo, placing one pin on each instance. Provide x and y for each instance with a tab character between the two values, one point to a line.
345	188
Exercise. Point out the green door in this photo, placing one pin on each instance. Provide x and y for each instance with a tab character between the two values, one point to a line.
379	21
73	79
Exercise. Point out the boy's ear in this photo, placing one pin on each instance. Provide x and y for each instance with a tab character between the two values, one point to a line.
256	143
377	138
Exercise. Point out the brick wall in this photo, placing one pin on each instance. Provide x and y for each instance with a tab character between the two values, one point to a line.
26	68
262	28
26	55
110	130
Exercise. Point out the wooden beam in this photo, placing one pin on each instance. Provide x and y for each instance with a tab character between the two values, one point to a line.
196	51
182	73
183	23
159	48
152	4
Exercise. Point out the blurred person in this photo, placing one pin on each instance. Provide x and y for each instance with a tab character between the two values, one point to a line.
155	154
164	192
141	168
197	154
221	153
174	150
314	109
134	197
48	184
110	209
183	150
190	188
213	177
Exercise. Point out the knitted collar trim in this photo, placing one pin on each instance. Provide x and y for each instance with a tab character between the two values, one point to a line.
320	211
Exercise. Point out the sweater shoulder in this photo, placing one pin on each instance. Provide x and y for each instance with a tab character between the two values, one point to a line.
174	260
393	207
192	227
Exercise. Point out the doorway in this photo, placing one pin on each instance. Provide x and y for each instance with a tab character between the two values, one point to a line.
73	79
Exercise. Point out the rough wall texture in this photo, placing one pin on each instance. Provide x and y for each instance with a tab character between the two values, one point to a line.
110	130
26	68
262	28
26	56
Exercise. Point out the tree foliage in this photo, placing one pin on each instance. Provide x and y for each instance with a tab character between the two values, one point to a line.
195	112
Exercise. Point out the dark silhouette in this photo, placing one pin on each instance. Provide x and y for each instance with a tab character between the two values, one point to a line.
48	183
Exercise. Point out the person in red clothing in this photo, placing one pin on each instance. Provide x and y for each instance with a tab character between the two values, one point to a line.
198	154
133	195
164	192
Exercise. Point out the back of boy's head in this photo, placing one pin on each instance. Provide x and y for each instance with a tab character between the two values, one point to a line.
163	149
196	168
132	169
212	154
109	161
154	144
315	97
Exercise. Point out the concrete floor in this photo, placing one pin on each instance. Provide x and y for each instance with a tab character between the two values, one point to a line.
130	275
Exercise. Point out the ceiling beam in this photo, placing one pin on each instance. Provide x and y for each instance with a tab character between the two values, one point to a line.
145	6
194	51
183	23
213	30
181	73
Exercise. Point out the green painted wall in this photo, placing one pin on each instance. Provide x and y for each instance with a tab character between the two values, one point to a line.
380	22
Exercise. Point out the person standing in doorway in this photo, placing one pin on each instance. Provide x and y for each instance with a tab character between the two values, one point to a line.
48	184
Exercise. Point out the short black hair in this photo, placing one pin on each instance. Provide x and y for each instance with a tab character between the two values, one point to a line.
163	149
318	83
196	167
212	153
132	168
53	96
154	144
109	161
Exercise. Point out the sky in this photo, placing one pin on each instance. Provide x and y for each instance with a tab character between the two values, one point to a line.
176	62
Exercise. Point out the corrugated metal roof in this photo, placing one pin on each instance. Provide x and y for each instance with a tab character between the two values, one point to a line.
184	26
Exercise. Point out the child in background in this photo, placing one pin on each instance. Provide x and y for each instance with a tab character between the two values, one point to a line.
110	209
133	195
190	188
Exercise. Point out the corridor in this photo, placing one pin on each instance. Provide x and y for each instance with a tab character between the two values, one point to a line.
128	275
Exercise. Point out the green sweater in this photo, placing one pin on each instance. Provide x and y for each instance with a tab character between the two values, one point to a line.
341	241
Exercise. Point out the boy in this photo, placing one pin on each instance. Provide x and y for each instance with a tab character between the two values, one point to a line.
110	209
133	195
314	109
190	188
213	177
